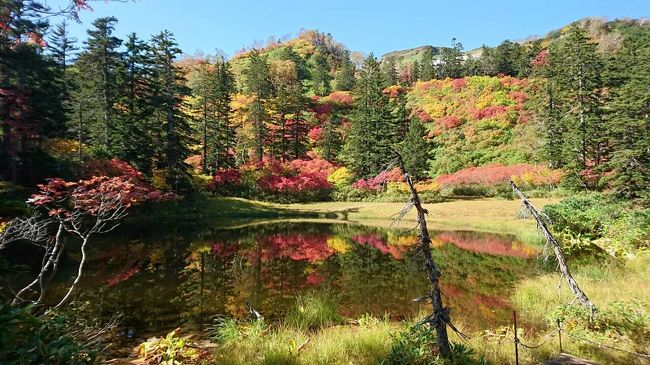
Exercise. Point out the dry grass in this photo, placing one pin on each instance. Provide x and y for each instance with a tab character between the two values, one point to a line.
488	215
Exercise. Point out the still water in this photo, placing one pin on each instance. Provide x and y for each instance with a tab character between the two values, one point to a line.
173	278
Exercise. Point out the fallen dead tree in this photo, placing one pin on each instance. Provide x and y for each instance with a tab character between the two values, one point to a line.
559	256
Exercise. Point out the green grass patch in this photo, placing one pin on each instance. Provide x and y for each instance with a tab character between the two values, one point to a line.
314	310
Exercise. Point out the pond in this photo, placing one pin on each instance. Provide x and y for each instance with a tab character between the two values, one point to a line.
170	277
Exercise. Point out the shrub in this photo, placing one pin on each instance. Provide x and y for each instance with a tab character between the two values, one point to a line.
168	350
614	225
29	339
492	180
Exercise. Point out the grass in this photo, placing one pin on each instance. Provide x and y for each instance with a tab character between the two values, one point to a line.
258	343
537	296
487	215
313	310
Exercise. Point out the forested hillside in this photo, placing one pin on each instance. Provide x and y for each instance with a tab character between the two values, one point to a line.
97	127
568	101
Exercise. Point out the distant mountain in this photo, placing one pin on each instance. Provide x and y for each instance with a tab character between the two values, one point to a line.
608	34
411	54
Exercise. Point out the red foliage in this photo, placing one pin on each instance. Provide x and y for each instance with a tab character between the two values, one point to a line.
222	249
423	116
541	59
123	276
489	111
518	96
295	177
379	242
458	84
489	244
343	98
310	247
314	278
494	174
96	195
227	177
315	134
112	168
449	122
377	182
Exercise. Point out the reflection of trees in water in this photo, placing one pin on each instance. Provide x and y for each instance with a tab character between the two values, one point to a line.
267	265
489	243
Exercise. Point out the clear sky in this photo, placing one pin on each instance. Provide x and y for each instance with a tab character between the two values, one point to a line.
362	25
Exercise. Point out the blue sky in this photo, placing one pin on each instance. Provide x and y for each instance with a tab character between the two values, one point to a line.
362	25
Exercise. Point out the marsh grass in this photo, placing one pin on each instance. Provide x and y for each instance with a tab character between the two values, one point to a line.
314	310
243	343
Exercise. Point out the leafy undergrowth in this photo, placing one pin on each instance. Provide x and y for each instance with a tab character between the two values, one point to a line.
621	320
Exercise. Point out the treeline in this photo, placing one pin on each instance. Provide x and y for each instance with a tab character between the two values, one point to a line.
137	100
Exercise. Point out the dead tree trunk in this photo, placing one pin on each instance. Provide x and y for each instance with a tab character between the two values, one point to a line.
440	316
564	269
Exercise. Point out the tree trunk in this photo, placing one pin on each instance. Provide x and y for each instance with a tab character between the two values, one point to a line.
79	273
564	269
49	259
440	315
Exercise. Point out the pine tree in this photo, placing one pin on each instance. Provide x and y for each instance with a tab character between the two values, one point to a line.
223	142
287	104
61	48
345	77
578	87
369	145
629	117
258	84
135	143
31	96
427	72
414	149
389	71
99	65
321	75
170	92
451	61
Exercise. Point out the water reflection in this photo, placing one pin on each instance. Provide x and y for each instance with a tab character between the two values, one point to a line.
161	283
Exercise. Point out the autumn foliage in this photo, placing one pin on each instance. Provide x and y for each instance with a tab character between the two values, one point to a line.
494	174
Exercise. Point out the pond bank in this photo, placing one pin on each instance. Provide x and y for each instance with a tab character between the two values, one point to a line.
485	215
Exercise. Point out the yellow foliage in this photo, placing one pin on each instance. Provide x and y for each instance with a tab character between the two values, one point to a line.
338	244
62	148
159	180
340	176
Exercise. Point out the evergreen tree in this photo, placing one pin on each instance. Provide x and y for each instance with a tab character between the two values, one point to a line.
170	93
451	61
61	47
258	84
223	142
427	72
508	57
389	71
287	104
136	96
99	66
369	144
578	87
345	77
321	75
31	96
629	118
414	149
